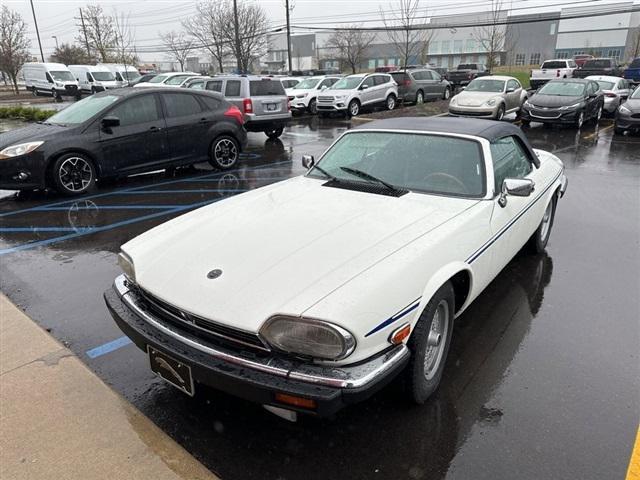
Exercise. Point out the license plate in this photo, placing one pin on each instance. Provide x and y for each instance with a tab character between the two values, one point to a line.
171	370
272	107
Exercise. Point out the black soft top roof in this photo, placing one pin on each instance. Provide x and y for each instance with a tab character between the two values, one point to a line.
488	129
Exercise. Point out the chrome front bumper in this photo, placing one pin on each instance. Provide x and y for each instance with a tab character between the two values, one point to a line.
356	377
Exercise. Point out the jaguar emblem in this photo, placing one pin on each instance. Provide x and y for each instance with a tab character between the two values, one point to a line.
214	274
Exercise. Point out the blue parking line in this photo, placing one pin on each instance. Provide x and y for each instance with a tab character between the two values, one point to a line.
108	347
49	241
44	229
108	207
133	189
201	190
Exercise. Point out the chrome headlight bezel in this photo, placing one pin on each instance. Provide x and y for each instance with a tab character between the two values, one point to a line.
491	102
571	107
19	149
126	265
289	324
624	110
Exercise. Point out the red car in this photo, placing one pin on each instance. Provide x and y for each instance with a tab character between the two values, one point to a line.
580	59
386	69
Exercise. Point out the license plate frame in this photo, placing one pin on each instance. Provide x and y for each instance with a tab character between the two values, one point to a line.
271	107
170	370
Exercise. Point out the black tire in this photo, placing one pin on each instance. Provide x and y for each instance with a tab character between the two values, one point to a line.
313	107
596	118
499	113
525	123
618	131
34	91
73	174
422	382
538	241
274	132
224	153
56	96
579	120
354	108
446	95
419	97
391	102
93	90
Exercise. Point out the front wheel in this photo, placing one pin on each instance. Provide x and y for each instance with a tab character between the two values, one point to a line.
391	102
274	132
598	115
354	108
73	174
225	152
419	97
429	344
580	120
540	238
446	95
500	113
313	107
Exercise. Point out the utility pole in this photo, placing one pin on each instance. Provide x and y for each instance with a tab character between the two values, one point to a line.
237	35
56	39
84	31
35	22
288	36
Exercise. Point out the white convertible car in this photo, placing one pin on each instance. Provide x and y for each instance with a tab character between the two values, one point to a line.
315	292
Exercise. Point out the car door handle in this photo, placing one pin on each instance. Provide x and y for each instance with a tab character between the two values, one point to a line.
155	129
203	120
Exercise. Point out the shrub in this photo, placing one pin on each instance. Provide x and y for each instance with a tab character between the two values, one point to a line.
29	114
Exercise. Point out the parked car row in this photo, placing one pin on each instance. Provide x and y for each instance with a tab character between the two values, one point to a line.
588	67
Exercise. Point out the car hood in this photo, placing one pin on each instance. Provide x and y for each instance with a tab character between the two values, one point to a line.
475	99
300	91
633	104
540	100
281	248
31	133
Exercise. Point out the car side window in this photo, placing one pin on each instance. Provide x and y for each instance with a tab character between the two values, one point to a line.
368	82
325	83
136	110
509	160
89	79
199	85
49	79
513	84
214	85
232	88
210	102
379	80
426	75
180	105
436	76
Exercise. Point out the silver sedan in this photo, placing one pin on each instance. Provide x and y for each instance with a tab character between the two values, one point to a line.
616	91
493	96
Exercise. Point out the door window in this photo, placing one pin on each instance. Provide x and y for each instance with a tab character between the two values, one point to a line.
380	79
215	86
426	75
232	88
180	104
368	82
510	160
199	85
89	79
513	84
136	110
327	82
210	102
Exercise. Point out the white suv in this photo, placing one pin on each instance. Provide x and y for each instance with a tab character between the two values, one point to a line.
304	95
352	93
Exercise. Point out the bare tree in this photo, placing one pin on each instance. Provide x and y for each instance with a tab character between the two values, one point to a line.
402	26
351	46
252	33
14	44
207	27
634	50
178	46
70	54
124	40
100	30
492	37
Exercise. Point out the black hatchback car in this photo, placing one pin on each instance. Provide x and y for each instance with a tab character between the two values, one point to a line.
566	100
121	132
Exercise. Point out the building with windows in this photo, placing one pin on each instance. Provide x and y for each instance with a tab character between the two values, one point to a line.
531	38
303	52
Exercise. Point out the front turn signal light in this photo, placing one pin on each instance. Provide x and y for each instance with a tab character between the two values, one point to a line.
399	335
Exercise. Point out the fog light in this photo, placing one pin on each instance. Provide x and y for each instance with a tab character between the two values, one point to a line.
296	401
399	335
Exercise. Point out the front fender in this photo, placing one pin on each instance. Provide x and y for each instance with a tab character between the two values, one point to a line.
440	278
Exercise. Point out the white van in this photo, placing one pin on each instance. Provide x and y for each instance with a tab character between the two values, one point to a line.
94	78
123	73
53	79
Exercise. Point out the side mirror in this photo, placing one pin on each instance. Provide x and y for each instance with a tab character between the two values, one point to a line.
463	88
517	187
308	161
364	87
110	121
323	88
511	90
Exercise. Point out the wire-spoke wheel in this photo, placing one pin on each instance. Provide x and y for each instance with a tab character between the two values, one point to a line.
73	174
429	344
224	152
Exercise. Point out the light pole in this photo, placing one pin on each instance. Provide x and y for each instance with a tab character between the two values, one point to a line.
56	39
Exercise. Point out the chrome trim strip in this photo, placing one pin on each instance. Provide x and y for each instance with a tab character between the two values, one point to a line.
348	377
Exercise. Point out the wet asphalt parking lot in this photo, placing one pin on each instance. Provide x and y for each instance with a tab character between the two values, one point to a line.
542	379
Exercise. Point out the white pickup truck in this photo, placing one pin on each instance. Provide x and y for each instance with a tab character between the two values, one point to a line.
550	69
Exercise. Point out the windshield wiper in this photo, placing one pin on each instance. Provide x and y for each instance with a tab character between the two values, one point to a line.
325	173
371	178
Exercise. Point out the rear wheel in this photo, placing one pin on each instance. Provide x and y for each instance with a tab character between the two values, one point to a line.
391	102
446	95
73	174
274	132
225	152
34	91
429	344
419	97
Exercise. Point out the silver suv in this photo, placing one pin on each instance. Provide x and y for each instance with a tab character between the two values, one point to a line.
263	100
351	94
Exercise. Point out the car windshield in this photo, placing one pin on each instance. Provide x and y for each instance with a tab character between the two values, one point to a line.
80	112
177	80
103	76
597	64
554	64
158	79
131	76
62	76
604	85
563	89
307	84
423	163
347	83
482	85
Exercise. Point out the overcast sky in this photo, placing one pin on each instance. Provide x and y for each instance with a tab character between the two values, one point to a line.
149	17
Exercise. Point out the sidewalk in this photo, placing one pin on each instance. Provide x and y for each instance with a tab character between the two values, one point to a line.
59	420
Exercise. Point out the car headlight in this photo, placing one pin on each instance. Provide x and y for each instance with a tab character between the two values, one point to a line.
491	102
569	107
624	110
527	104
454	101
126	264
301	95
310	338
19	149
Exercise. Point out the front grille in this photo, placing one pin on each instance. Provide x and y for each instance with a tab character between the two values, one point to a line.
325	99
71	88
200	327
545	113
635	115
468	114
